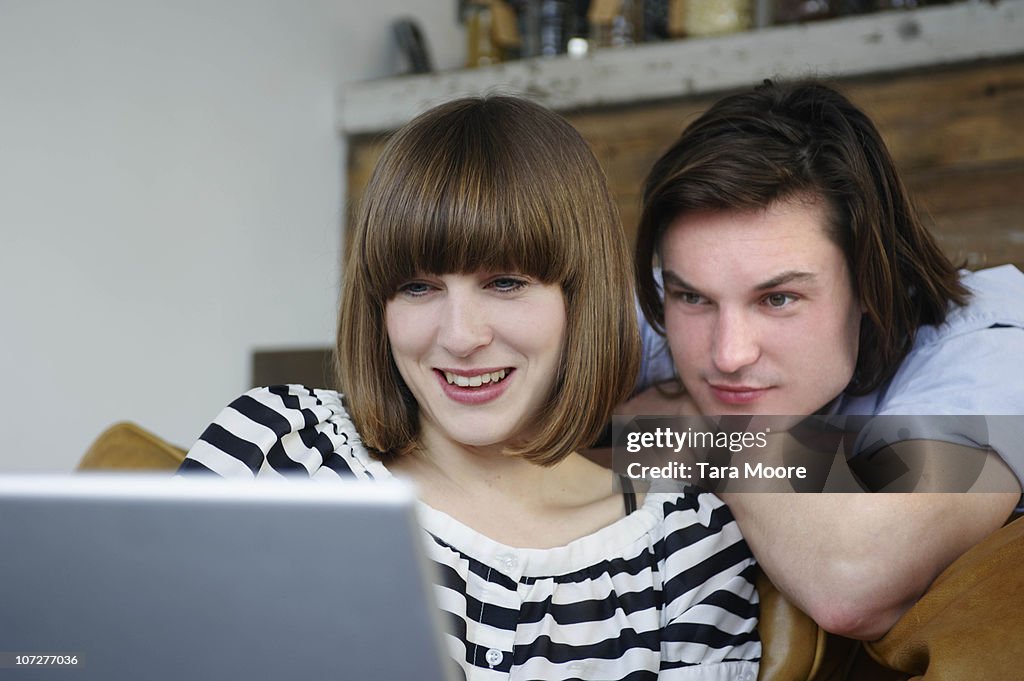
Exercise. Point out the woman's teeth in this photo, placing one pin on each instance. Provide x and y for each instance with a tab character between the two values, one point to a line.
474	381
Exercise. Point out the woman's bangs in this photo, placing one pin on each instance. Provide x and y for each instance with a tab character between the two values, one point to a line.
465	227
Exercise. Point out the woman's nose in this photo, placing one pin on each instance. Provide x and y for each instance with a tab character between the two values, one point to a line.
464	326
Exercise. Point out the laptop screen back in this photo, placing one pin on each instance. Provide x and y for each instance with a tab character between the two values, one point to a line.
170	578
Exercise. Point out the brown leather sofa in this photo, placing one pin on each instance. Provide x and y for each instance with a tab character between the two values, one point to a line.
126	446
969	626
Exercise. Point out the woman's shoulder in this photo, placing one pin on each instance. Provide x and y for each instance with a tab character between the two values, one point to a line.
283	429
707	567
694	526
689	508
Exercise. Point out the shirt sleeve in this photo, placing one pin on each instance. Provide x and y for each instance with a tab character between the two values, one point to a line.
284	429
980	374
711	605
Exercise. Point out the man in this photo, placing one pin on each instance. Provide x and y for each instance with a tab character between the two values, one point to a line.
798	279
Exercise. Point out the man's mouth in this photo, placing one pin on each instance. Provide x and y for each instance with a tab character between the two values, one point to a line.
738	394
738	388
475	380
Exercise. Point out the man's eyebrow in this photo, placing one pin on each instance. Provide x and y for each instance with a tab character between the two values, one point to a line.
670	277
787	277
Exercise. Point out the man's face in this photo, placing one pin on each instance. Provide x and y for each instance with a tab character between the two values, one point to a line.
760	310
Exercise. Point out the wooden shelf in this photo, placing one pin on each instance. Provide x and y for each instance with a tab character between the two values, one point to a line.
852	46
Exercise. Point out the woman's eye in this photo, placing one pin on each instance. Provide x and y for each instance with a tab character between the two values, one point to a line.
414	288
779	300
507	284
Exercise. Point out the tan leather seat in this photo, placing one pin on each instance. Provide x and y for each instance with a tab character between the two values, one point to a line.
126	446
969	625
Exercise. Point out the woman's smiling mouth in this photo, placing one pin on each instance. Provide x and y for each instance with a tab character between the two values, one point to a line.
475	380
474	386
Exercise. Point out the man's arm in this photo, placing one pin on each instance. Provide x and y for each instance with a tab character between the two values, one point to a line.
856	562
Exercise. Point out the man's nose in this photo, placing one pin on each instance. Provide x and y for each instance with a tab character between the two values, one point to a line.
735	343
464	324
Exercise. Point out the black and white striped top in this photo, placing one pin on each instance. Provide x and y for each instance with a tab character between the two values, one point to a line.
664	593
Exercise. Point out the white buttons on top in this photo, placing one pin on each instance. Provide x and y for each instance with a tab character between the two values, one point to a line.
493	657
509	561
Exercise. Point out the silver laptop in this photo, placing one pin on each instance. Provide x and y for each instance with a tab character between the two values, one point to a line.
142	577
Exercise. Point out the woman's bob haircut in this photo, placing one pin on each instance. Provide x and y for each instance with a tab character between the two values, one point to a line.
492	184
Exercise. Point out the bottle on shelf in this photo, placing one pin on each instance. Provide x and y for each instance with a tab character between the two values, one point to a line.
481	49
528	21
553	17
492	33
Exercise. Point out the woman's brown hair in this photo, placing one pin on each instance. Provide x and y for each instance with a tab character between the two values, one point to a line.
495	184
784	141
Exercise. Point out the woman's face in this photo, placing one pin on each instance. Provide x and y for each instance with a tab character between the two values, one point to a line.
479	352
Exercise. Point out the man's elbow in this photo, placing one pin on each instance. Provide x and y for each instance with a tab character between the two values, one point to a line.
861	620
862	604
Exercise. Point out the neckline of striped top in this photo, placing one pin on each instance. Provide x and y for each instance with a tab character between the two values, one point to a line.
579	554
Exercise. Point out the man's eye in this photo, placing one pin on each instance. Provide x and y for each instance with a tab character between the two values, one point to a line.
687	297
779	300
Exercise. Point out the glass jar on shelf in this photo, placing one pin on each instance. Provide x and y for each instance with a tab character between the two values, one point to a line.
696	18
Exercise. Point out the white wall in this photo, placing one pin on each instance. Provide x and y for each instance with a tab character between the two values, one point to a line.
170	199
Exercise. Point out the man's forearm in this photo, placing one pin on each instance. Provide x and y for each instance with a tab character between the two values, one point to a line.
856	562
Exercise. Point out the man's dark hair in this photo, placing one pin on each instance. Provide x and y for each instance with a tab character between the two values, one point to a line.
784	141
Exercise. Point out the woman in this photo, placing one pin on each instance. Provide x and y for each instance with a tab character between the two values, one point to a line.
485	335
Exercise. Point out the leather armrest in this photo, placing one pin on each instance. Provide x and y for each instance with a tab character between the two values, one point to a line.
126	446
793	646
970	622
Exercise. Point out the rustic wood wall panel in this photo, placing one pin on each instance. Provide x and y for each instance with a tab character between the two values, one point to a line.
955	133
